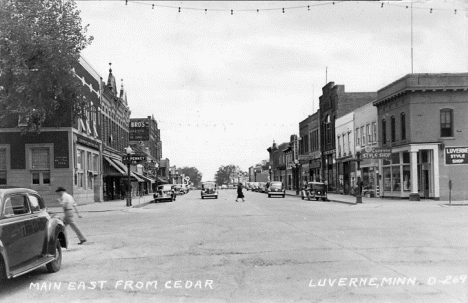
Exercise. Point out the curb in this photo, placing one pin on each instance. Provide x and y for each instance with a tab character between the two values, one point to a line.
336	201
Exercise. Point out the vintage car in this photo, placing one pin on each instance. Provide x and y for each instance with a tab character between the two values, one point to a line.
209	189
314	190
276	188
254	186
262	187
29	236
179	189
164	193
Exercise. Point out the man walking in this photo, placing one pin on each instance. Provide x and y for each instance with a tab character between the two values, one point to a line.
68	203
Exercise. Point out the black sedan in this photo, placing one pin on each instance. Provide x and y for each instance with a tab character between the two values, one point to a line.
29	236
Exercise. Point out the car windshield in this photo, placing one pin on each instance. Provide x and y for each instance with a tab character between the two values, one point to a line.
276	185
209	185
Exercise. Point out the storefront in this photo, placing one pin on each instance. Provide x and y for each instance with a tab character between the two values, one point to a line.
369	173
409	163
346	175
329	170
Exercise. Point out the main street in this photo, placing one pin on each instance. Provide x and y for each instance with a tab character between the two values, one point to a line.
262	250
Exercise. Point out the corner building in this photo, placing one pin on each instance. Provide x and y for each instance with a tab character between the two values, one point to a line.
419	116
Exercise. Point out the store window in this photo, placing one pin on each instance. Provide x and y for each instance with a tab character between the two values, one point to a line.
40	166
446	122
3	166
387	179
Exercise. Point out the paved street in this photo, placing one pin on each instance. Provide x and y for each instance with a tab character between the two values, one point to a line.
262	250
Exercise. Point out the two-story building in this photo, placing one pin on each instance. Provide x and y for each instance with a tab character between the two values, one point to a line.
335	103
66	155
422	117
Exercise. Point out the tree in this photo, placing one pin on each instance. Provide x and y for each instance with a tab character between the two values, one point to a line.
40	43
224	174
193	173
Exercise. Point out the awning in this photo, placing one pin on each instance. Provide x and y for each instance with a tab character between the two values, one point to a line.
146	179
117	167
122	168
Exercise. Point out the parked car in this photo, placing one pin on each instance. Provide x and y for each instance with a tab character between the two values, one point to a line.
209	189
178	189
224	186
248	186
276	188
29	236
314	190
261	187
255	186
164	193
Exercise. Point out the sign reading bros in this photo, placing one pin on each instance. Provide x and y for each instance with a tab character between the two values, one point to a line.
376	153
456	155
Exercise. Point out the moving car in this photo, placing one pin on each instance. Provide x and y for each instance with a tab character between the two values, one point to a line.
164	193
29	236
314	190
276	188
209	189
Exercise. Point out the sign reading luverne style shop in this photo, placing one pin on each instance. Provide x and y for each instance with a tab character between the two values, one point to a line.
370	152
456	155
139	130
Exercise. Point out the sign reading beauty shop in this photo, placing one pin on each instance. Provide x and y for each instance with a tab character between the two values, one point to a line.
139	130
370	152
456	155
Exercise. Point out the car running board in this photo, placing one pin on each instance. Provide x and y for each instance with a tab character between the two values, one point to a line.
40	262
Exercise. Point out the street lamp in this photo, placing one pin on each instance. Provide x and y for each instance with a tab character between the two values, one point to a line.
296	164
358	173
269	172
129	151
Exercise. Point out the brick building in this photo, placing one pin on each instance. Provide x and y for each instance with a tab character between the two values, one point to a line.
420	116
335	103
309	148
66	155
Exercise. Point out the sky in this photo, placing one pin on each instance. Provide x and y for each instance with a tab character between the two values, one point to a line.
223	87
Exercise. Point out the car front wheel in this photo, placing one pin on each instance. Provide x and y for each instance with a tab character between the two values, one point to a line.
54	266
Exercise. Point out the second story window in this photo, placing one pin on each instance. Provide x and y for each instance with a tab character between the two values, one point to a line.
403	126
384	131
357	137
446	122
374	131
368	134
392	126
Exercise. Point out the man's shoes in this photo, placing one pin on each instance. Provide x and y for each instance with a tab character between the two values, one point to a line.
82	241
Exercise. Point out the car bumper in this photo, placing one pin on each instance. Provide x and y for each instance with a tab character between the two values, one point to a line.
279	193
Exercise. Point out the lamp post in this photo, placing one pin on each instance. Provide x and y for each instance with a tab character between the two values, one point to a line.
269	173
296	165
358	174
255	175
129	151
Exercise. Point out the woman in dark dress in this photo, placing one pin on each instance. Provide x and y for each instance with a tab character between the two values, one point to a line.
240	194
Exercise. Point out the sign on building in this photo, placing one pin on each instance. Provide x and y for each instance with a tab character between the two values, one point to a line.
456	155
370	152
139	130
133	159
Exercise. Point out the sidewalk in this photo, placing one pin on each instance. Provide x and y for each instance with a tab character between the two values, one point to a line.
348	199
113	205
